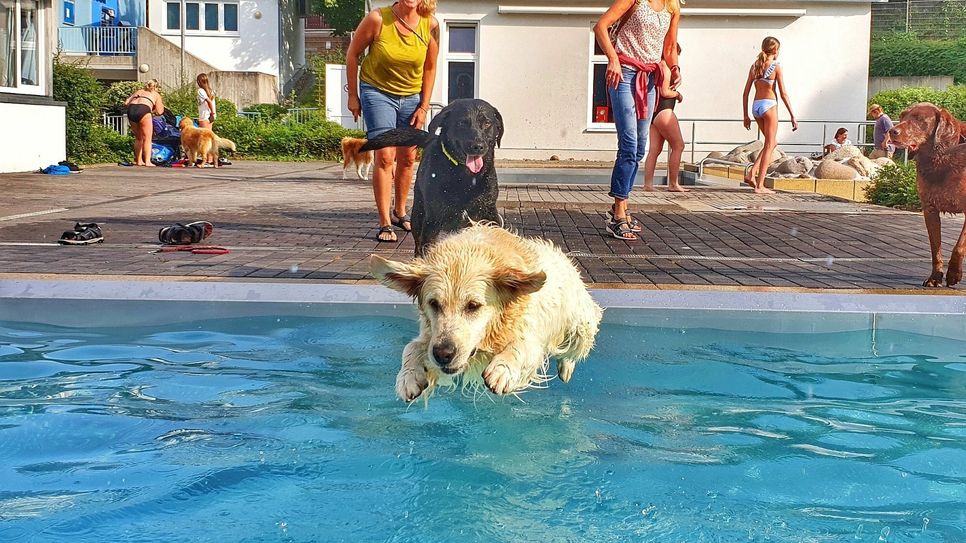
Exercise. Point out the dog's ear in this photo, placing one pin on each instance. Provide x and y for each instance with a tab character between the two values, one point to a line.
512	282
405	278
438	121
947	130
499	126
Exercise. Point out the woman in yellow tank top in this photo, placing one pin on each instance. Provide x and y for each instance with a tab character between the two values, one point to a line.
393	89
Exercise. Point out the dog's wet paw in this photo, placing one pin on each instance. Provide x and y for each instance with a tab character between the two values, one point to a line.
410	384
499	378
934	280
954	275
565	369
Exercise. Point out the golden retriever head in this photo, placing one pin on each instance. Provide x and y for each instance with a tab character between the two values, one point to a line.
469	288
185	122
924	123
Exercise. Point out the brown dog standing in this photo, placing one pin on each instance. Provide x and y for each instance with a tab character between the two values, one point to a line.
935	136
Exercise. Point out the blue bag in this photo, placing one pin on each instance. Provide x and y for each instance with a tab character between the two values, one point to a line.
56	169
161	154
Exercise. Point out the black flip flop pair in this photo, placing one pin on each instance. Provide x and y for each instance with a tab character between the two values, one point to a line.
185	234
82	234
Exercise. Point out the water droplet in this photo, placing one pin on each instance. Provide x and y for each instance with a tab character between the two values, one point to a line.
282	525
829	260
884	534
294	268
474	181
597	494
925	523
432	175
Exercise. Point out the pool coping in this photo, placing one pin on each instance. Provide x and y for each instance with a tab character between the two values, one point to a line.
151	288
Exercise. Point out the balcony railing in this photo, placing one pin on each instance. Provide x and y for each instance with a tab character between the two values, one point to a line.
98	40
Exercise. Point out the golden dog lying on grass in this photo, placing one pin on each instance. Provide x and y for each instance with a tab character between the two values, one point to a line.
493	307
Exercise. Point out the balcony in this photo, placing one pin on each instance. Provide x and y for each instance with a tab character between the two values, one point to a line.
111	51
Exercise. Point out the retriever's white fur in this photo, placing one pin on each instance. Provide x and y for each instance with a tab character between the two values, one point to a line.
500	303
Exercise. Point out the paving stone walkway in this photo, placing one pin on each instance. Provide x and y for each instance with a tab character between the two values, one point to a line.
303	222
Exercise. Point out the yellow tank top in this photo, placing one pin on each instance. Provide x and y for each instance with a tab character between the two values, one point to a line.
395	62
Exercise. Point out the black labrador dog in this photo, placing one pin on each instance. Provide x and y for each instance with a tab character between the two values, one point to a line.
456	179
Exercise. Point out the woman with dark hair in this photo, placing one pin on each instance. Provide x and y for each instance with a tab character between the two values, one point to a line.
841	138
766	76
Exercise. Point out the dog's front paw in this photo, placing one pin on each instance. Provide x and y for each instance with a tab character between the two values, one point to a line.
565	369
954	275
499	378
410	383
934	280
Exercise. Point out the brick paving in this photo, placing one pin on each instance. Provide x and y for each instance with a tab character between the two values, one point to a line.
302	222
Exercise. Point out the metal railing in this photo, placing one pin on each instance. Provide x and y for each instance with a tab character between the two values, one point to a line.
98	40
806	141
117	123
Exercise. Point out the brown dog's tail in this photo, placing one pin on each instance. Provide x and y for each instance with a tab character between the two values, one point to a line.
225	143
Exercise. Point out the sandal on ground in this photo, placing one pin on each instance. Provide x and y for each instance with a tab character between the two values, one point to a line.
386	230
82	234
404	222
632	223
621	230
184	234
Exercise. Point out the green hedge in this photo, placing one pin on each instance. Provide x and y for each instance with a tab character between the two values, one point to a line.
895	186
907	55
277	140
894	101
88	140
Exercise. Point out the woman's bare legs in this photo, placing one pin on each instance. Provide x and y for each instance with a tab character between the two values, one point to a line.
204	123
768	124
655	140
671	132
403	179
147	131
382	179
138	142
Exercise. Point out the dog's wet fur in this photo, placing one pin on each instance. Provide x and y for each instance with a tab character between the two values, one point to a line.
936	139
494	307
456	182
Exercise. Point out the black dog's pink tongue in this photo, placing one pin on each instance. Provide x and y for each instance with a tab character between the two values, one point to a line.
474	163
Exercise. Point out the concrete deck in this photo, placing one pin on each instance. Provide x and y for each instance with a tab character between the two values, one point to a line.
302	222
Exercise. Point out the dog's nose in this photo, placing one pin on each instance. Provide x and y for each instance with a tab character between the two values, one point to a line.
893	133
444	353
477	148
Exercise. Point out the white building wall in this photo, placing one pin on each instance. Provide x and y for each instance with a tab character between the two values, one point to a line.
535	69
40	138
255	47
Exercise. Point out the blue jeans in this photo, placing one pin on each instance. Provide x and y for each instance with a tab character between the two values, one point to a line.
383	111
631	132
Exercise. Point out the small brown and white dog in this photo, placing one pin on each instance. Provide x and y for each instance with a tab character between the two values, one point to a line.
493	308
202	141
351	155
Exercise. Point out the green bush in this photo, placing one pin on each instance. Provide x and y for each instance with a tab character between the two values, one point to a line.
278	140
118	92
269	112
88	140
907	55
895	186
894	101
182	100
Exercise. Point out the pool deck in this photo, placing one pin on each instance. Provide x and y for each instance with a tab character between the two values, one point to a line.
301	222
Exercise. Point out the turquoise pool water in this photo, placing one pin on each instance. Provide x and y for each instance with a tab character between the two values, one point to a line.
287	429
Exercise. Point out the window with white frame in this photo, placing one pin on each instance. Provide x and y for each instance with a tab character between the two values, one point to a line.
21	40
461	60
599	111
202	17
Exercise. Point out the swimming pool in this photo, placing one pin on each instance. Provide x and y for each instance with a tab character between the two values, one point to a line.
684	425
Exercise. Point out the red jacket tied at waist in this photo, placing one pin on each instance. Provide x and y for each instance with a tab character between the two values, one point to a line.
640	82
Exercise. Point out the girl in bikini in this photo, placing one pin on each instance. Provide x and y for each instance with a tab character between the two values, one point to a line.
766	75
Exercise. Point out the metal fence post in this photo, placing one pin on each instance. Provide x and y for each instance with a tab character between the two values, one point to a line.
692	141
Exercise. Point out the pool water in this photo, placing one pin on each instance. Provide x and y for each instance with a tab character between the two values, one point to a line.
288	429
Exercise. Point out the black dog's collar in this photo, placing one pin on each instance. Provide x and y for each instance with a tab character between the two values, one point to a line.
447	155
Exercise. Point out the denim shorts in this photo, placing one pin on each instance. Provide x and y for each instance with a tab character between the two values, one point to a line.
382	111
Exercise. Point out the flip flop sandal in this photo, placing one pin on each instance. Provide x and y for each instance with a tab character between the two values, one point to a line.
632	223
386	229
82	234
183	234
401	221
621	230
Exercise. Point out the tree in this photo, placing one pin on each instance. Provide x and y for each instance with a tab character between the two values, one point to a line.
342	15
